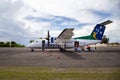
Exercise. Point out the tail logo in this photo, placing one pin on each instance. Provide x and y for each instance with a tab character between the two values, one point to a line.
98	32
94	35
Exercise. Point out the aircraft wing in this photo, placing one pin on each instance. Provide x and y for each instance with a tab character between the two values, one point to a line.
67	33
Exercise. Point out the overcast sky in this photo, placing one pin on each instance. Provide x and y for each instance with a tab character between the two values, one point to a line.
23	20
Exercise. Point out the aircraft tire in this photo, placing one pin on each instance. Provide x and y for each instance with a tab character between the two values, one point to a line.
32	50
61	49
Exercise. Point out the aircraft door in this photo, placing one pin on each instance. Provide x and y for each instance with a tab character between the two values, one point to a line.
43	45
76	44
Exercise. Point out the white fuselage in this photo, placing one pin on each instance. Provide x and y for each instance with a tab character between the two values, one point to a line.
64	40
58	43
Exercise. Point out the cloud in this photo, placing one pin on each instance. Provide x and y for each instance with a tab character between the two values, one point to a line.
10	27
113	32
77	9
23	20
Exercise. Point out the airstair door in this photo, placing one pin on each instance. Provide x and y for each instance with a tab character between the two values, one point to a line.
76	44
43	45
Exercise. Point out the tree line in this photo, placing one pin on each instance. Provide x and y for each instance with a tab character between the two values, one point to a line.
10	44
105	40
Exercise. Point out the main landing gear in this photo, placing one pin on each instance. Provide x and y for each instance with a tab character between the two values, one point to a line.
32	50
62	49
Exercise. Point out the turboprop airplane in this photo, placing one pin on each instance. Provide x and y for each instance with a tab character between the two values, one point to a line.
65	40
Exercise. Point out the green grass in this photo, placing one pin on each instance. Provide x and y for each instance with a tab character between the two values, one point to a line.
41	73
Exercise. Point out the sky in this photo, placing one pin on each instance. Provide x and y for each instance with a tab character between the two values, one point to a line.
25	20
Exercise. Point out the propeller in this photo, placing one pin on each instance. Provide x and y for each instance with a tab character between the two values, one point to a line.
48	37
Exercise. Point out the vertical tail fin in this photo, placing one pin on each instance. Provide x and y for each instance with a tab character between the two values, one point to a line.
97	32
99	29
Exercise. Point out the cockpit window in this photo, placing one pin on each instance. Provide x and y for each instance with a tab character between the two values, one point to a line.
36	41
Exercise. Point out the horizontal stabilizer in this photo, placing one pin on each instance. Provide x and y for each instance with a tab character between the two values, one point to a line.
106	22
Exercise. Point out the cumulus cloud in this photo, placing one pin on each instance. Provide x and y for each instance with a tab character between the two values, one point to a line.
23	20
10	28
76	9
113	31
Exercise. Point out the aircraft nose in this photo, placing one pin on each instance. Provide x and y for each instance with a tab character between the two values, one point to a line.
29	45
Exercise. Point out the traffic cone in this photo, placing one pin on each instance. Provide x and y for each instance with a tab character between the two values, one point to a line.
46	52
50	54
58	57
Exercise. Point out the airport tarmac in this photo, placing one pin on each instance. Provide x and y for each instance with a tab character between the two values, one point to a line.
102	57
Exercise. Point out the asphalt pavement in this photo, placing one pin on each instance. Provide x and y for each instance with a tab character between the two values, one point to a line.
102	57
